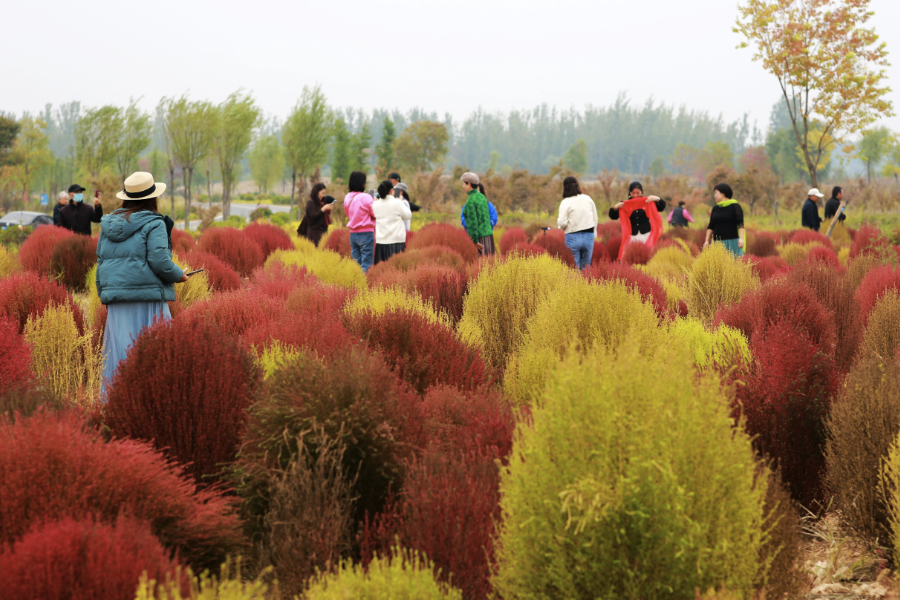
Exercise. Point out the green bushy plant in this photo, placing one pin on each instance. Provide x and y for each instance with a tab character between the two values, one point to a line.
717	278
882	334
327	266
630	482
229	585
724	347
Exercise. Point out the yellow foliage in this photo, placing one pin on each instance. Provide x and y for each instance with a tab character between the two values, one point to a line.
674	288
195	289
274	356
584	313
379	299
328	266
91	298
230	585
70	364
840	237
725	346
844	256
9	262
889	490
717	278
503	298
793	253
882	334
302	244
669	262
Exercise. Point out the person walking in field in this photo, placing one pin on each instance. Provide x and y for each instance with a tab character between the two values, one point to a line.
834	204
680	217
358	206
809	215
78	216
491	209
318	214
390	216
726	221
578	219
644	228
477	216
136	276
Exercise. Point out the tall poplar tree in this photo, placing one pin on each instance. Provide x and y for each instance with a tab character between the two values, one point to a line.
236	119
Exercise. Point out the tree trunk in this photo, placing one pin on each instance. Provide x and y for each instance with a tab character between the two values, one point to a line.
208	189
186	173
172	191
293	189
226	196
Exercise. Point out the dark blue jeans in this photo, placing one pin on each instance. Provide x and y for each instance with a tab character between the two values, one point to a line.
362	248
582	247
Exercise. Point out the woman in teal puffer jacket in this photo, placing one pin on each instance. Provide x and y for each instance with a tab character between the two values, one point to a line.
136	276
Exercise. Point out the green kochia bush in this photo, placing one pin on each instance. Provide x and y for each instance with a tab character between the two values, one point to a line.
630	482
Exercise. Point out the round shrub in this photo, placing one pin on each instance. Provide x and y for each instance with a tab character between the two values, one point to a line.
236	312
413	259
81	560
824	255
15	356
636	253
481	421
37	250
577	500
868	240
221	276
233	248
422	352
194	290
356	399
808	236
717	278
762	244
863	424
612	247
503	298
55	466
555	246
381	300
511	237
720	349
26	295
192	403
327	266
280	280
443	234
607	230
319	332
600	254
672	262
71	260
182	242
268	237
793	253
443	287
337	240
9	262
528	250
875	283
649	288
882	335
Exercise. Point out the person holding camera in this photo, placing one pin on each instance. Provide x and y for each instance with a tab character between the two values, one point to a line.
78	216
318	214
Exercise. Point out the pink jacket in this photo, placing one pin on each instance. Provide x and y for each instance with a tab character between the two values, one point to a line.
358	206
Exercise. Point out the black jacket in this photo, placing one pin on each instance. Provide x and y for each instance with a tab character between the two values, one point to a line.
640	222
56	218
810	215
78	216
831	208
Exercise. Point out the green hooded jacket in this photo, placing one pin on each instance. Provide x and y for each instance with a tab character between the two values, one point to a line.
478	217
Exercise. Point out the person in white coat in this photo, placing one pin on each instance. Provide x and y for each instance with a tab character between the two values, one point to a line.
578	219
390	229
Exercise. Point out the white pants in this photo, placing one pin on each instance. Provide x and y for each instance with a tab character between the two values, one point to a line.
641	237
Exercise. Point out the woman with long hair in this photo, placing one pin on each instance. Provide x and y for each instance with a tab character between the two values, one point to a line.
136	276
390	231
318	214
578	219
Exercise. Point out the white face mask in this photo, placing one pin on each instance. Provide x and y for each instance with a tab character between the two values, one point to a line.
79	197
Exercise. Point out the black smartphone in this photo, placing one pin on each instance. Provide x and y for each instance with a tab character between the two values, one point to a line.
194	272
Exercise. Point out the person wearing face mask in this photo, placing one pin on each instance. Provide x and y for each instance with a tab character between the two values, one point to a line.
78	216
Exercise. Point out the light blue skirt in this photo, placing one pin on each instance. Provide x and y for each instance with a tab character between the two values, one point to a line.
124	323
732	246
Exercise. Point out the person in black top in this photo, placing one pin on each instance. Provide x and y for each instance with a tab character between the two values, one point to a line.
833	204
726	221
640	223
78	216
318	213
809	214
61	201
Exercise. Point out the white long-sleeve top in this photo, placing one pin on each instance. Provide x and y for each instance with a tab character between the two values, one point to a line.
390	214
577	213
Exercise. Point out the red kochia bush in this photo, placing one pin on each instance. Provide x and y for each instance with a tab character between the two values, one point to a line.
555	244
83	560
785	401
421	352
808	236
182	242
877	282
607	230
765	268
762	244
868	240
411	259
15	356
824	255
221	276
637	253
648	287
280	280
235	312
338	241
511	237
71	260
233	247
600	254
480	421
442	234
55	466
37	249
321	333
193	404
443	287
268	237
612	247
24	295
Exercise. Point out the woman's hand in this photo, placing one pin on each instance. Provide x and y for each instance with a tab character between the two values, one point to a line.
183	278
741	243
328	208
480	247
619	206
652	199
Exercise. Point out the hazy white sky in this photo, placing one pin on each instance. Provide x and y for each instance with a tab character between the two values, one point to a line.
442	56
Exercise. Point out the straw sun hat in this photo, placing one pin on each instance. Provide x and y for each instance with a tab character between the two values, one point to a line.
140	186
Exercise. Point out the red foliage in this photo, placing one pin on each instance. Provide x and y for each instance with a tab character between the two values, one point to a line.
182	242
612	247
280	280
763	244
83	560
410	235
600	254
824	255
443	287
192	404
649	288
443	234
808	236
338	241
555	245
235	312
785	401
877	282
411	259
511	237
608	230
15	356
221	276
319	300
268	237
24	295
71	260
319	332
637	253
37	249
55	466
766	268
233	247
868	240
481	421
420	352
528	249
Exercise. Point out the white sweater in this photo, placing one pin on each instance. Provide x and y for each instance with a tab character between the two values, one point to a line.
389	216
577	214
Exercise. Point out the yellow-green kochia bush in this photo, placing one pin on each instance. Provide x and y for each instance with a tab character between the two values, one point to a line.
631	481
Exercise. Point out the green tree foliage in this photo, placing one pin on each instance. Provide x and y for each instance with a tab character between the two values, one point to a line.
9	129
781	147
384	151
421	146
266	162
892	163
30	152
305	136
360	147
190	129
873	147
134	137
699	162
576	157
340	155
237	118
97	133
